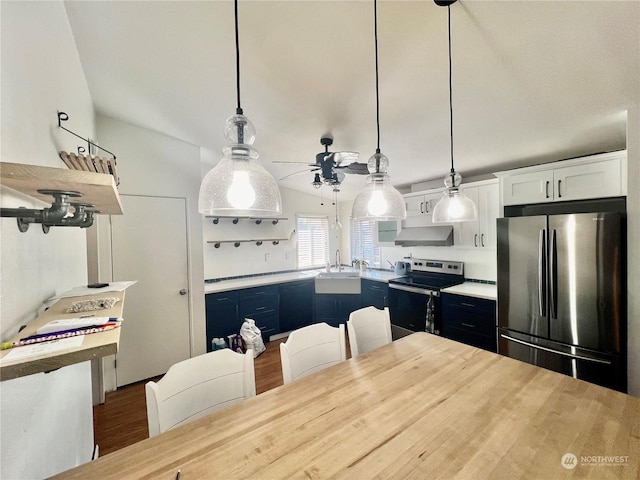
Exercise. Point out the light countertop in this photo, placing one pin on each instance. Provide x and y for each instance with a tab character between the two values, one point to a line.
257	281
474	289
422	406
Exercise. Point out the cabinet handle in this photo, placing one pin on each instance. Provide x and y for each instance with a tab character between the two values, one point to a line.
546	189
475	240
421	207
260	308
482	240
559	193
467	304
467	325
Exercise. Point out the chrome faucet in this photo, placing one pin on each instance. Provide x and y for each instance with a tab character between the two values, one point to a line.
338	260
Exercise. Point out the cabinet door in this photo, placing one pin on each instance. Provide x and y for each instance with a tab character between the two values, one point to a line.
466	234
346	305
488	213
414	205
327	309
296	305
593	180
523	188
374	293
221	315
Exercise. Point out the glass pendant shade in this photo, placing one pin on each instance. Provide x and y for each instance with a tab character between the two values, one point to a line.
454	206
239	185
379	200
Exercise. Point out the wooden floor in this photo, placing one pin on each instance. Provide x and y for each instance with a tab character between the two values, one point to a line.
122	419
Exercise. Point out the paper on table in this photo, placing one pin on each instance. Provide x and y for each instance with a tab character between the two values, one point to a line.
76	322
44	348
82	291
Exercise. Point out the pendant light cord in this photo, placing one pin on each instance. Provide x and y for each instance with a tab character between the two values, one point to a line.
375	36
450	92
238	107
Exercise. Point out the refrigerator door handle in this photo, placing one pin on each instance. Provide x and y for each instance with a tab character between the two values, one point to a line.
553	277
557	352
542	273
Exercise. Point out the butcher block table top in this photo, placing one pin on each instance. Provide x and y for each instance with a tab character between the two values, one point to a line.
423	407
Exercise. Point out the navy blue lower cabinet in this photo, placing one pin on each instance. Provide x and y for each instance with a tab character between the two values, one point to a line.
222	315
469	320
374	293
335	308
262	305
296	305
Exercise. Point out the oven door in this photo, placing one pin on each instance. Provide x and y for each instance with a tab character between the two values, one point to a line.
408	308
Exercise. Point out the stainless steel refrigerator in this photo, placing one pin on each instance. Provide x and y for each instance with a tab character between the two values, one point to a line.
562	294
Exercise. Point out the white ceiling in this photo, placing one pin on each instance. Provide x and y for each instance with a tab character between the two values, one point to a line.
532	80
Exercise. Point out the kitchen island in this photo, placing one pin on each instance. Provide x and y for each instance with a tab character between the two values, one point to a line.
420	407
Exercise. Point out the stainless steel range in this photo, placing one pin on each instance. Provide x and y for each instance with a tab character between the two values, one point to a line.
414	300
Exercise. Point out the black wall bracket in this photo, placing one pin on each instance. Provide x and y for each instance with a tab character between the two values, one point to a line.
55	216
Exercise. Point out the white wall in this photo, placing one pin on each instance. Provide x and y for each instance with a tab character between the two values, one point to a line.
248	258
154	164
633	248
40	74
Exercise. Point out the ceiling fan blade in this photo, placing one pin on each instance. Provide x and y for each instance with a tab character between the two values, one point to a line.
356	168
299	171
344	157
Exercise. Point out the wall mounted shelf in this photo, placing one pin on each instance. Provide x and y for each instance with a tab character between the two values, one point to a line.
258	221
236	243
98	189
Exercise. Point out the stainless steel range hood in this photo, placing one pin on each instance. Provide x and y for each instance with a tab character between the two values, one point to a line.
434	236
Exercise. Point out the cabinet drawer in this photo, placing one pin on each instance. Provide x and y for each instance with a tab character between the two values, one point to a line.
221	299
252	306
485	342
268	324
465	302
474	322
258	292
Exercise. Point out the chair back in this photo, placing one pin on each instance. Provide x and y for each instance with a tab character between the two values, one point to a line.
311	349
198	386
368	328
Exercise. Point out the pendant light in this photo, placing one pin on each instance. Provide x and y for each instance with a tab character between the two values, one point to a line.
379	200
454	206
238	185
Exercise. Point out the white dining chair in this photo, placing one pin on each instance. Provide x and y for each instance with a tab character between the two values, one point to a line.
198	386
311	349
368	328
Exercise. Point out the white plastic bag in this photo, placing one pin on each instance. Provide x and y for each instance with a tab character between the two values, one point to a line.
252	337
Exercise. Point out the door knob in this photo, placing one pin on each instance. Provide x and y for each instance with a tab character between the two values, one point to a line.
183	291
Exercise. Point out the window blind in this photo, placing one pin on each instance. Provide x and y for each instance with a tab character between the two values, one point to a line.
313	241
363	242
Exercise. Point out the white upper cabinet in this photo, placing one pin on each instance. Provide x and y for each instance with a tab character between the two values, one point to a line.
482	232
596	176
420	207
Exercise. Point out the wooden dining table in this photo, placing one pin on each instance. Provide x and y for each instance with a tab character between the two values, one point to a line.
422	407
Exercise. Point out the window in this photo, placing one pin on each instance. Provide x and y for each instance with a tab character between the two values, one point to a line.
363	242
313	241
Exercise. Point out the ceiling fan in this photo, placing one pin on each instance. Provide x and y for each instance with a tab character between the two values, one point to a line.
332	166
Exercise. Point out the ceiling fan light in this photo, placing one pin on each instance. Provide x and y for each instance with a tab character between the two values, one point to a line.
379	200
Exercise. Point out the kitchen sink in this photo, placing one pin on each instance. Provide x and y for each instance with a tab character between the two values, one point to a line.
338	274
338	282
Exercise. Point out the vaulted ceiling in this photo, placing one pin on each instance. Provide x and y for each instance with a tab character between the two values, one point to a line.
533	81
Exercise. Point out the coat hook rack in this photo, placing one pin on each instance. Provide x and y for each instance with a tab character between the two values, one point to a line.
54	216
63	117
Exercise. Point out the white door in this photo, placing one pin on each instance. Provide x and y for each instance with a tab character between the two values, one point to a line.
149	244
